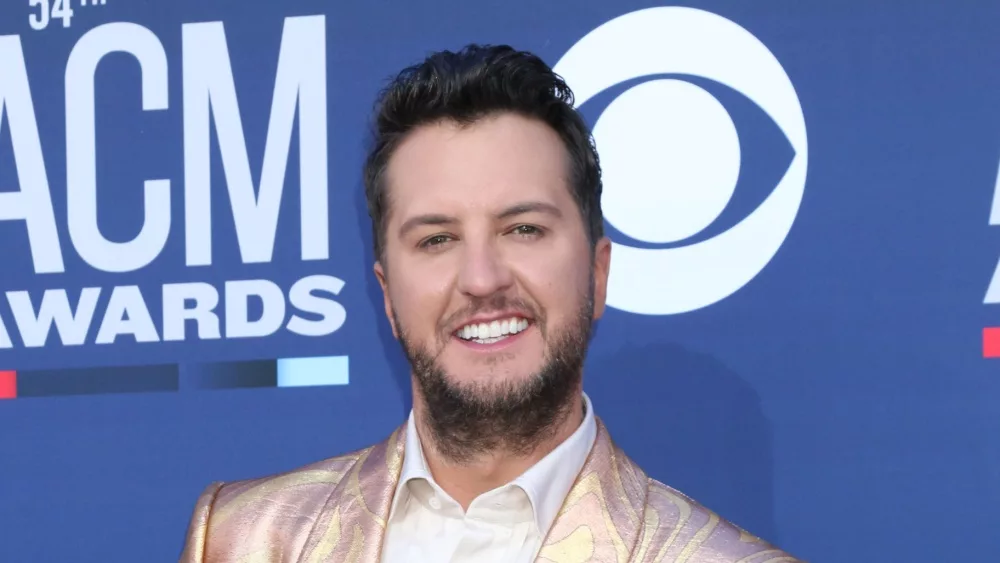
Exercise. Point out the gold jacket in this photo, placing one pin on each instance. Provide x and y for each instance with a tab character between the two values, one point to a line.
335	511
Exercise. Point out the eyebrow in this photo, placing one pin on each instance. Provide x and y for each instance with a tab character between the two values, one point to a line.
512	211
421	220
530	207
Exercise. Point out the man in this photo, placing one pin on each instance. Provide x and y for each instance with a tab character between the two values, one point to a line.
484	191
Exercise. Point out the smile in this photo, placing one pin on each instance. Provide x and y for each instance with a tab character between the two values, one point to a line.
493	331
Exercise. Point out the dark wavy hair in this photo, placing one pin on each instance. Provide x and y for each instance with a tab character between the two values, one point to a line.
468	85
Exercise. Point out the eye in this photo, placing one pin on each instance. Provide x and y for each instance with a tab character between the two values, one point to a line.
434	241
526	230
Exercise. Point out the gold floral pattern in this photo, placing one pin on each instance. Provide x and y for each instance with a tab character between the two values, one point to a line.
334	511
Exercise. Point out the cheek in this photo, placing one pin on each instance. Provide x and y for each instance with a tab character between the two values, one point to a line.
556	280
419	297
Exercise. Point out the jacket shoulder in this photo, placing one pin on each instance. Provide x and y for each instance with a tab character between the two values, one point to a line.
676	527
298	485
256	515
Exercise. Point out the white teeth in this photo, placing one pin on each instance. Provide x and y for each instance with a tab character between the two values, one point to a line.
487	333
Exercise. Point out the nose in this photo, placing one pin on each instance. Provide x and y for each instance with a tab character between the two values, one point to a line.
484	271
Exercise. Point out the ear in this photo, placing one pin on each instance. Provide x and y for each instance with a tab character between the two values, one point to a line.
602	267
386	300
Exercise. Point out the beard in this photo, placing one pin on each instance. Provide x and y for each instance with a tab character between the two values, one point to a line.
470	419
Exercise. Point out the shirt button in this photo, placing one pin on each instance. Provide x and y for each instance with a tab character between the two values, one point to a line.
435	503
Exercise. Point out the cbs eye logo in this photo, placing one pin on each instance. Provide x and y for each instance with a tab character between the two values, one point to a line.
671	154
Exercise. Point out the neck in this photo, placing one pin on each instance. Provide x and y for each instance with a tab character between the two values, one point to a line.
467	478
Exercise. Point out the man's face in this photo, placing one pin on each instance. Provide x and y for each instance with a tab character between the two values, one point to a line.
487	262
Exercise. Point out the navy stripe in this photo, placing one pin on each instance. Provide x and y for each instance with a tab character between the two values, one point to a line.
96	381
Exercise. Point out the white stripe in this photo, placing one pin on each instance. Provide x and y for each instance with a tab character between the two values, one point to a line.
305	372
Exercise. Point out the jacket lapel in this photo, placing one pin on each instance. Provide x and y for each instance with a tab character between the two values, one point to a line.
351	526
600	520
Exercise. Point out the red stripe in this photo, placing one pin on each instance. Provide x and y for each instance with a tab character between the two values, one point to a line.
991	342
8	384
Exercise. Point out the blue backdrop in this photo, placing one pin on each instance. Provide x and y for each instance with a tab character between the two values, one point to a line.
801	196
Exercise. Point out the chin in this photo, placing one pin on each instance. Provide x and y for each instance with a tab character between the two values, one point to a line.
488	379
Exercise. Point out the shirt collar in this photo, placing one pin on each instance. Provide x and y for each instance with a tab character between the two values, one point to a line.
546	483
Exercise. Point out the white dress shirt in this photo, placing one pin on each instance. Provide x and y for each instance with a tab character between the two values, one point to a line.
507	524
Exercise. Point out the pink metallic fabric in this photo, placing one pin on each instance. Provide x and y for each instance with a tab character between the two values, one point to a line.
335	511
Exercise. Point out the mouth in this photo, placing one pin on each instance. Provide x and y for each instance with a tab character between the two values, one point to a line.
494	331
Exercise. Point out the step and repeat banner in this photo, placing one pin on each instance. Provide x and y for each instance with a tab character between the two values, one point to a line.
804	290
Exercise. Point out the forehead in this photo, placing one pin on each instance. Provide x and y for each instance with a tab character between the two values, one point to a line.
445	167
